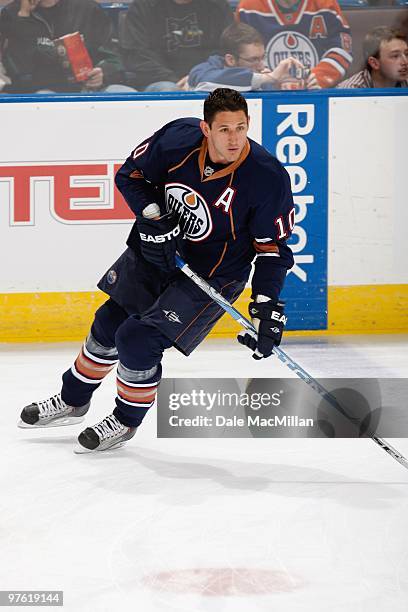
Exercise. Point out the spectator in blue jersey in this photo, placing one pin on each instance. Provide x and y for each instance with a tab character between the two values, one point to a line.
206	190
242	65
28	29
313	31
161	40
386	54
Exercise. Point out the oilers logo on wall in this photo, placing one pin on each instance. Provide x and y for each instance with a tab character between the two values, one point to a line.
291	44
191	209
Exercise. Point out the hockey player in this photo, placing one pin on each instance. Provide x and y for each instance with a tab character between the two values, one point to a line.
205	189
314	32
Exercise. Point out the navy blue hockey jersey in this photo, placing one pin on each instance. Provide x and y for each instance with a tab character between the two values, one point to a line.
229	215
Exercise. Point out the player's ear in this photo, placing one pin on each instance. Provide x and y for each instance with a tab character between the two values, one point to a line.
205	128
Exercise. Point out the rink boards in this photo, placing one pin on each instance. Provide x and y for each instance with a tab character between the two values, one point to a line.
62	222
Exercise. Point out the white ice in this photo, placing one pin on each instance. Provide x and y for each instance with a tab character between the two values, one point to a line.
219	525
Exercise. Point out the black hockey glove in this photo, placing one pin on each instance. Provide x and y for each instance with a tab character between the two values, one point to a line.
269	321
159	240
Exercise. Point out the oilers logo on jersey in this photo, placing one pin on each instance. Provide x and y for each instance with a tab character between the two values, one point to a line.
291	44
192	210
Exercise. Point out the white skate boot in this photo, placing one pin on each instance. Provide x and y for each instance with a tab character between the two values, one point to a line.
52	412
107	434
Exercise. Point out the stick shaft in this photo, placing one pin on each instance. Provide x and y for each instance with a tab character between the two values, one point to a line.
282	356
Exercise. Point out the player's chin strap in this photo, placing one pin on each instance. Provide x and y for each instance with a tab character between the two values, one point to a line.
282	356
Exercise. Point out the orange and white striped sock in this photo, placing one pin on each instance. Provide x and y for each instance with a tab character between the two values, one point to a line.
94	362
137	391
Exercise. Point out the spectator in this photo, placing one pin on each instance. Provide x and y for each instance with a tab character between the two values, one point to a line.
312	31
28	29
242	64
386	55
162	40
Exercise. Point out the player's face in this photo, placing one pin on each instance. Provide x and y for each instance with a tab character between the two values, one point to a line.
393	62
226	136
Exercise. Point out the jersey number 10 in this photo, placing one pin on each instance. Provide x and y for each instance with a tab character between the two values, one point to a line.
284	231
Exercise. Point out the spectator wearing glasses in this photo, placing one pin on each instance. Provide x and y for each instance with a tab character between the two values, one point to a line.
242	65
386	55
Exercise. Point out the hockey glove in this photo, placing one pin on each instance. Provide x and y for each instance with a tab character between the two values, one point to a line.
269	321
159	240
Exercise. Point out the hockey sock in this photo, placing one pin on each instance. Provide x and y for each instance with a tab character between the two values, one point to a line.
91	366
136	393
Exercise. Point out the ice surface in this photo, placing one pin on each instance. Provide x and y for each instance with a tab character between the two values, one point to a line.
219	525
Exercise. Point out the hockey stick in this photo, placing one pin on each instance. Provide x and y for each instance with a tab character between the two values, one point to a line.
282	356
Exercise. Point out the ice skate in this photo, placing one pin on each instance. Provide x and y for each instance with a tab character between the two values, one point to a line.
107	434
52	412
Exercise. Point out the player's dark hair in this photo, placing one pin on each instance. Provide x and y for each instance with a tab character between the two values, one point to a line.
223	99
236	35
374	38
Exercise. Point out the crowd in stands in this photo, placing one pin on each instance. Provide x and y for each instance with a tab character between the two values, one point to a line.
75	46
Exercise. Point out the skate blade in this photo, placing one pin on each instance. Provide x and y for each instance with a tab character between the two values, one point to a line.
81	450
57	423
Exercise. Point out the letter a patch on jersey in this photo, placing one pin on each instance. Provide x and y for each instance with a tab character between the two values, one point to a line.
318	27
225	199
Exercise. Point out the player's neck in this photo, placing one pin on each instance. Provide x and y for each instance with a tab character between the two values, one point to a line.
214	156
